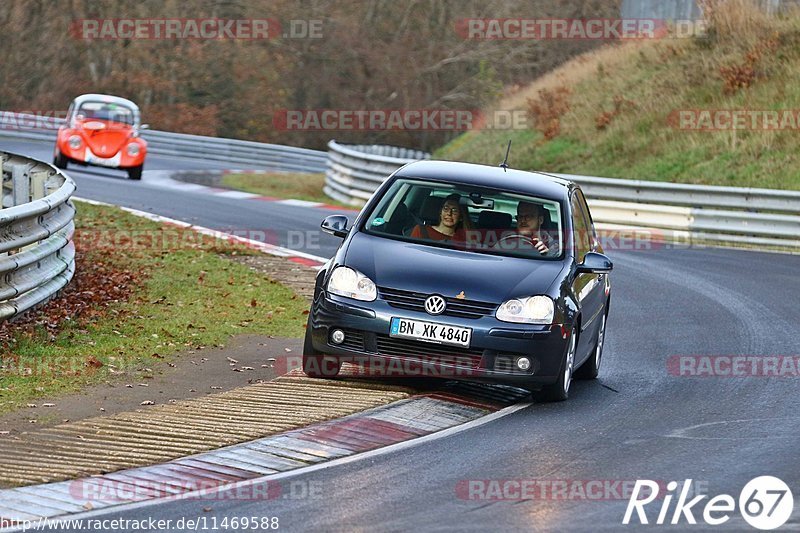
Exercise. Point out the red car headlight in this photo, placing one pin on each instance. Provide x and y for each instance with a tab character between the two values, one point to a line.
74	142
133	149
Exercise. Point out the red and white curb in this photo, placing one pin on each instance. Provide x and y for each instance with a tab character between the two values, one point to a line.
253	470
295	256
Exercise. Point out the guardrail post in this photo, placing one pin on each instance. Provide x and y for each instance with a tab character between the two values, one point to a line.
38	184
20	186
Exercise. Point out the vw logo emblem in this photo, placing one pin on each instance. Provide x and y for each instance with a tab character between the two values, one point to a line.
435	305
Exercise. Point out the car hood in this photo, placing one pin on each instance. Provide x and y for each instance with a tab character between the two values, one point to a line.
428	269
106	142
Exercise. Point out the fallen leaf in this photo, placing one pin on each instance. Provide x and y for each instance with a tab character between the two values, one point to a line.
234	361
147	402
48	405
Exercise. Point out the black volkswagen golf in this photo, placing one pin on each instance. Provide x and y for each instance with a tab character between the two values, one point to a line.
467	272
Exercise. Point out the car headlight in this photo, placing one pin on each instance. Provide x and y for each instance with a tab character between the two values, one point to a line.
533	310
352	284
133	149
74	142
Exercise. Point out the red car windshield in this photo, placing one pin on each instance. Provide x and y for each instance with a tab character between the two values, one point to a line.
105	111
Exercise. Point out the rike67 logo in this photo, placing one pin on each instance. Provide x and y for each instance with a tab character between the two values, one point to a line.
765	503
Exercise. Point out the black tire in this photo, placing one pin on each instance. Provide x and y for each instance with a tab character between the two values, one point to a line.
559	391
315	363
59	161
591	367
135	173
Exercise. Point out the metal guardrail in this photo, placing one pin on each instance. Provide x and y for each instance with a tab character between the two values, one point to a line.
233	151
688	213
37	255
355	171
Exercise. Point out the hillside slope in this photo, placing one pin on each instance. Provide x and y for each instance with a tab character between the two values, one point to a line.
634	110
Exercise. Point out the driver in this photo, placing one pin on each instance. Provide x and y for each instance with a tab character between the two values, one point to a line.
530	217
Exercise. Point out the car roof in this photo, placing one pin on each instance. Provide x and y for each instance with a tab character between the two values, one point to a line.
534	183
105	98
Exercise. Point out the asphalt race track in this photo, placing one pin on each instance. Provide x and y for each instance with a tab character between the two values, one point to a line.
154	195
638	421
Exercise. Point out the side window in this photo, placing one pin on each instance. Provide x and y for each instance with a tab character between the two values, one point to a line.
580	229
592	233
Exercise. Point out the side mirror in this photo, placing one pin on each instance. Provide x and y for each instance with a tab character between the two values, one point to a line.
144	127
595	263
335	225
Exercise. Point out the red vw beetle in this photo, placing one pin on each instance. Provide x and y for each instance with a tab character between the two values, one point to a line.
102	130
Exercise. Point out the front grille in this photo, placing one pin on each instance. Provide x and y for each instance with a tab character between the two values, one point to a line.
504	364
456	307
429	352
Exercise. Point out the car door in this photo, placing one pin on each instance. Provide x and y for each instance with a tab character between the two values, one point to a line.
588	288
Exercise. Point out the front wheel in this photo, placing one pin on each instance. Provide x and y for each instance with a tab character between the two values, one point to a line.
559	391
59	161
591	368
135	173
315	363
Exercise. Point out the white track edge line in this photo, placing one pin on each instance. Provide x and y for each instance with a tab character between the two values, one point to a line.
511	409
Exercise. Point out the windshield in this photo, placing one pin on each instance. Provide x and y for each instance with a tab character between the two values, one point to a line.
483	220
105	111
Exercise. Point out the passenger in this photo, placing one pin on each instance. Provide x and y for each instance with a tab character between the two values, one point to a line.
530	217
452	226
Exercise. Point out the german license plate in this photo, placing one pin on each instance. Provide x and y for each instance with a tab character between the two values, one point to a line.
112	162
430	332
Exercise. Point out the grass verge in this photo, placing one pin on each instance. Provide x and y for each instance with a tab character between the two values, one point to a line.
142	292
616	112
297	186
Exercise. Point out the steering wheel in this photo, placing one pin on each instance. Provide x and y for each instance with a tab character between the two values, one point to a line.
517	236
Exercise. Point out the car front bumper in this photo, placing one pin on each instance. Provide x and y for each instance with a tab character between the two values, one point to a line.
491	357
